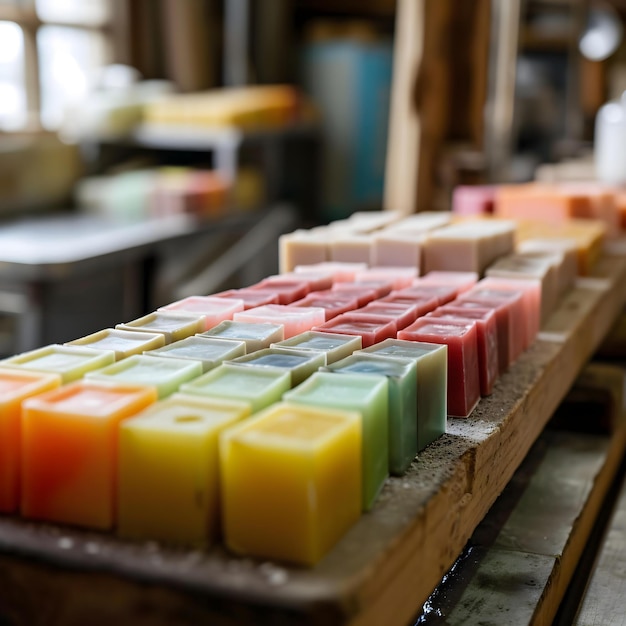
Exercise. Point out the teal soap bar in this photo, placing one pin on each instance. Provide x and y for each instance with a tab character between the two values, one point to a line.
333	345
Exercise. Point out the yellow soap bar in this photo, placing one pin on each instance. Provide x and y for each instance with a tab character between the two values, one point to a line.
291	482
168	469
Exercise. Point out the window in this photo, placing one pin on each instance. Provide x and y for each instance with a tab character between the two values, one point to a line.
50	51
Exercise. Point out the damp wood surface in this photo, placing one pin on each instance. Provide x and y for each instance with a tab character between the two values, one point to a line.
382	570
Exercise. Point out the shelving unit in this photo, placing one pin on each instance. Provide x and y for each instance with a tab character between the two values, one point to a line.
386	565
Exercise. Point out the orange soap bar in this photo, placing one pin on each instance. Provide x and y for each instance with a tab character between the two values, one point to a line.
16	386
69	451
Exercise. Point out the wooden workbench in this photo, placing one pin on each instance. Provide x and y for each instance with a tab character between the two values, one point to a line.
386	565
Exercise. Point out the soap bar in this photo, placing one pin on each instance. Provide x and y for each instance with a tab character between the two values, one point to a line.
401	313
487	336
461	280
291	482
15	387
257	386
302	247
69	451
431	361
351	247
123	343
251	297
402	389
332	345
444	293
171	324
255	336
294	319
288	291
208	351
299	363
368	395
164	374
565	253
399	277
333	302
421	222
214	310
474	199
397	248
316	281
342	272
424	304
69	362
169	470
362	293
462	342
371	328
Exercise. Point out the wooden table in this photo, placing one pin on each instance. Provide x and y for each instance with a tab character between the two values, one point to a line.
387	564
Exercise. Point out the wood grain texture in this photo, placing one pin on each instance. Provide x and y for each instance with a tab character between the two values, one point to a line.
388	563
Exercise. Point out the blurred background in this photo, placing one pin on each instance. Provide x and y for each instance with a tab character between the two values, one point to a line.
154	148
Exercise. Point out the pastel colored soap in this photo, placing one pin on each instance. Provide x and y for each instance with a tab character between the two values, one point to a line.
15	387
443	292
424	303
461	280
294	319
371	328
166	375
69	362
402	313
342	272
208	351
169	470
213	309
462	342
69	451
431	362
397	248
333	303
473	199
487	335
302	247
282	499
319	280
123	343
402	389
300	364
288	291
332	345
257	386
351	247
368	395
399	276
173	325
251	297
255	336
362	293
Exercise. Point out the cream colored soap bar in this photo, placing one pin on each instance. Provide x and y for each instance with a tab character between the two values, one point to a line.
397	248
168	474
469	247
291	482
563	250
351	248
302	247
173	325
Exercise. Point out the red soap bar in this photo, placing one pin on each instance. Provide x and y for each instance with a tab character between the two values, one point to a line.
443	293
402	313
288	291
332	303
531	289
487	334
362	293
251	297
424	304
371	328
462	342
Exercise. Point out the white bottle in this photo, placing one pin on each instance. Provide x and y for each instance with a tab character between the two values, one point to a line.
610	142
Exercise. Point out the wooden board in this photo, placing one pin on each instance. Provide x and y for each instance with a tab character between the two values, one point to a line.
386	565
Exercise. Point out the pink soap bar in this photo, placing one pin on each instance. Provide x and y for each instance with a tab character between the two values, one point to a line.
424	304
371	328
473	199
462	342
403	313
400	277
487	334
342	272
288	291
361	293
382	287
251	297
214	310
333	303
317	281
531	289
296	320
443	293
461	280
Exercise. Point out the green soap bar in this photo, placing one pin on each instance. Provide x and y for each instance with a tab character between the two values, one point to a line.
166	375
256	336
432	383
333	345
124	343
401	377
258	386
367	394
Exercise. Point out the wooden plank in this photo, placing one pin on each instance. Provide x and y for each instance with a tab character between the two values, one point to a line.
390	561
